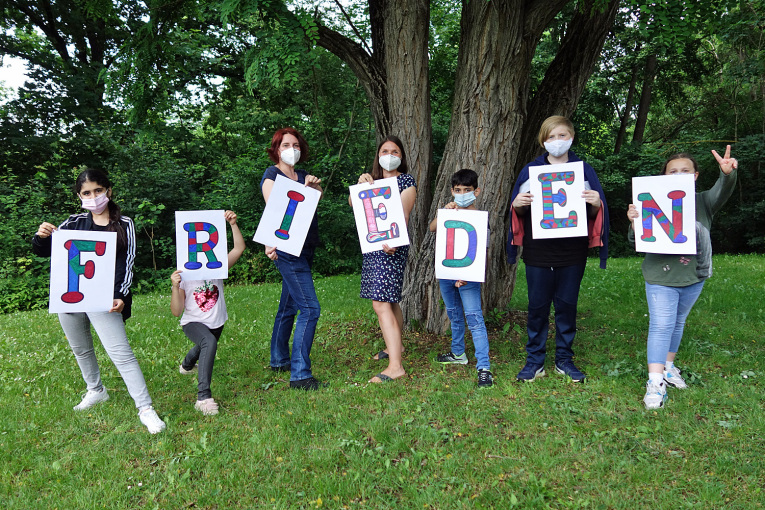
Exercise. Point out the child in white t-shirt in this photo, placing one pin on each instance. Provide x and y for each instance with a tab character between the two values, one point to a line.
204	313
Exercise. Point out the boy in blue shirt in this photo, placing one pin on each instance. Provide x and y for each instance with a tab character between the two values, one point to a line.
463	299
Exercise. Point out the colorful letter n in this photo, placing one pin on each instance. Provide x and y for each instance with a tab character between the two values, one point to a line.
651	209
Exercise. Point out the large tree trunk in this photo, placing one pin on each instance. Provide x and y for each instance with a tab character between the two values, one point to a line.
497	43
625	117
645	99
567	76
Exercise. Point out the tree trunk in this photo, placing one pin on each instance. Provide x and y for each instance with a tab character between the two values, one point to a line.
645	99
625	117
567	76
497	43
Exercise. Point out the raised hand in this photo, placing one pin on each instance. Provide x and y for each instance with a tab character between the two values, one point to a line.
727	163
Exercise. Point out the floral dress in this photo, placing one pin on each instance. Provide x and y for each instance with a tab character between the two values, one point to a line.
382	275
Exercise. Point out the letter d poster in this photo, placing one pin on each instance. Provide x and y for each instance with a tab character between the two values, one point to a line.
461	240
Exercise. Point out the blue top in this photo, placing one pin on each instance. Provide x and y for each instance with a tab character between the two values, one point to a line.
312	239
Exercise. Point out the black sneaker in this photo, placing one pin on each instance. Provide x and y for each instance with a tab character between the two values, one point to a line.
310	383
485	379
568	368
452	359
282	368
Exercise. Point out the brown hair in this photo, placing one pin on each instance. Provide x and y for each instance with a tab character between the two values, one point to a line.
680	155
551	123
276	141
377	170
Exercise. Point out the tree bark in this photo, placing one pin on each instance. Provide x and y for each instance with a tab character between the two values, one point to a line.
497	43
567	76
625	117
645	99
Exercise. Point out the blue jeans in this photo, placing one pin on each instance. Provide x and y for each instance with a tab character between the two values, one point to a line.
558	286
205	346
298	293
465	303
668	308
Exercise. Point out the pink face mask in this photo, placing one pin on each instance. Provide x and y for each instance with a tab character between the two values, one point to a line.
95	205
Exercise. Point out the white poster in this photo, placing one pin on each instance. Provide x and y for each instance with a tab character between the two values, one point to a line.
558	209
82	271
201	246
461	240
667	208
288	216
379	215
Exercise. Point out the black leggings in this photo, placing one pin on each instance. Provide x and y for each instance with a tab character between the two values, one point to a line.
205	346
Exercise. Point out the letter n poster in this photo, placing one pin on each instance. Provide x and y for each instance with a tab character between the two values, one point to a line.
201	245
667	208
558	209
288	216
461	241
82	271
379	215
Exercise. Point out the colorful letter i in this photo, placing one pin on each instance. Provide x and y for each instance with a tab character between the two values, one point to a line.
73	294
289	215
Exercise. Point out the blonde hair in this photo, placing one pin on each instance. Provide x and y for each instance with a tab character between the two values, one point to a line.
551	123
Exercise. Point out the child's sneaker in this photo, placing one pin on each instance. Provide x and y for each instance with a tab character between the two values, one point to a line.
208	406
92	398
187	372
152	421
530	371
674	379
450	359
485	379
655	395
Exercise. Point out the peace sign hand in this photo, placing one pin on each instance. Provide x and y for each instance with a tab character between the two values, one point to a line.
727	164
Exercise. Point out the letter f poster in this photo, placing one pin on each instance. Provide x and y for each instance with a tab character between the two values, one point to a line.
201	245
461	241
82	271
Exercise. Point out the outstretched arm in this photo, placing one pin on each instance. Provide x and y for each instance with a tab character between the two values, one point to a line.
178	298
239	245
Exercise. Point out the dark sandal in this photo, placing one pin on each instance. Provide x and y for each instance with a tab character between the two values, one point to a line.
381	355
384	378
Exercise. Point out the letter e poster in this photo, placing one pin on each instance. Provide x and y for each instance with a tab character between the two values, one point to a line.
558	209
379	214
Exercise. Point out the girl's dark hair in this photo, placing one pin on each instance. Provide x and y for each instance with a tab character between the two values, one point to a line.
100	178
276	141
377	170
680	155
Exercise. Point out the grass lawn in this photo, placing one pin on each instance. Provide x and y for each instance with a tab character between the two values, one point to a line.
430	441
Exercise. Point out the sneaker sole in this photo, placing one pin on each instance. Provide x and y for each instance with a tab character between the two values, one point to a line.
536	376
678	386
561	372
457	362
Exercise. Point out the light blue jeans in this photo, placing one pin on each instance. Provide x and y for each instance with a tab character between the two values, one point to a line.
111	332
668	308
465	303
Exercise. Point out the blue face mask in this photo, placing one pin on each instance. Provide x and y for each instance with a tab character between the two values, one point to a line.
465	199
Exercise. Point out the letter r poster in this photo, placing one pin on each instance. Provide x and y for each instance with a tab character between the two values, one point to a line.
201	245
82	271
558	209
462	237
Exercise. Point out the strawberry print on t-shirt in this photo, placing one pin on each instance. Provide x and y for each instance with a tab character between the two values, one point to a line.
206	296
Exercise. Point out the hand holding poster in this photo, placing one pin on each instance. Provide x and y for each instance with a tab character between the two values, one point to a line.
288	215
201	245
666	206
82	271
558	209
461	242
379	215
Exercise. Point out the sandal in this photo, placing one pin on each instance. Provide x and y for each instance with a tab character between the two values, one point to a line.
380	355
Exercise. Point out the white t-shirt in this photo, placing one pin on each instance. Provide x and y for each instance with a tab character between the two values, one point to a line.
204	303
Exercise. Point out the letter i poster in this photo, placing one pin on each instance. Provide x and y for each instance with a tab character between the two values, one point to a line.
201	245
461	241
288	216
558	209
82	271
379	215
667	208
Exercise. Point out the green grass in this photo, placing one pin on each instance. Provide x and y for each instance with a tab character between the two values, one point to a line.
431	441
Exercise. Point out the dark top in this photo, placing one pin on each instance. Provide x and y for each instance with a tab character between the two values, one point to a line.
312	239
123	270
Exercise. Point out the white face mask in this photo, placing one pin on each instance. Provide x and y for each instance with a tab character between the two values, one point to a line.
390	162
558	148
290	156
95	205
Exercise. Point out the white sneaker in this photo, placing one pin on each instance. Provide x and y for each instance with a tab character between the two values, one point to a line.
208	406
92	398
152	421
655	395
674	379
187	372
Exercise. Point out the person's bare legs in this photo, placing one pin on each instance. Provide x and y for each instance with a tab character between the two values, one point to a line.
399	318
391	320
